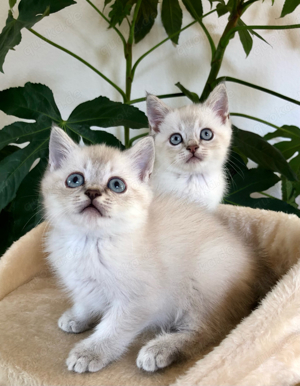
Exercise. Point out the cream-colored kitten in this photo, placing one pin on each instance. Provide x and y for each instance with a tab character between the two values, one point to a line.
136	262
191	148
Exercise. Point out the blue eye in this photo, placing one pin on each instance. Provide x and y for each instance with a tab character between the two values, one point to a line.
116	185
206	134
175	139
74	180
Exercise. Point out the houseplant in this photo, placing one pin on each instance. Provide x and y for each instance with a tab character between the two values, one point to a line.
19	197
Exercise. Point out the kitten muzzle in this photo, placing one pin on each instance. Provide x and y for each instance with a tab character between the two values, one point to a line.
91	208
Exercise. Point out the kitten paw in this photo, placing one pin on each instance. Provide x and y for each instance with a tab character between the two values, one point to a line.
83	359
154	356
68	323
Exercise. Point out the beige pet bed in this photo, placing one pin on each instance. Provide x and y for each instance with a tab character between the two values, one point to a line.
263	350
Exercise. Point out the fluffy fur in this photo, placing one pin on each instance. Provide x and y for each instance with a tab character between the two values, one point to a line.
263	350
200	178
137	262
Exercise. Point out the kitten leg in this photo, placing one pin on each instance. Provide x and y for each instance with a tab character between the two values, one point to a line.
111	338
76	319
163	350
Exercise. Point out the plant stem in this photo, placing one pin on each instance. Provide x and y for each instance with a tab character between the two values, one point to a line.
163	96
80	59
137	137
210	39
219	53
200	21
106	19
158	45
168	38
264	27
129	70
230	79
254	119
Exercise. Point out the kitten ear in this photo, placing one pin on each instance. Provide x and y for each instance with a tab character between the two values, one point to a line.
60	146
156	111
218	102
142	156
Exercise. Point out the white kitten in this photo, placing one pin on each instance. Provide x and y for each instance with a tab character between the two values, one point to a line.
137	262
191	148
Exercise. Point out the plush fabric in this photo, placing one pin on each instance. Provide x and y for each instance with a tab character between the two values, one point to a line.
264	349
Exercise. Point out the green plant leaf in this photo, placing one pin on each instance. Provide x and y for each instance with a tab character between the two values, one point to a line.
32	101
30	12
245	181
26	208
145	19
288	148
288	191
25	211
93	137
103	112
250	181
16	166
258	36
286	131
191	95
245	38
194	7
20	132
223	8
8	150
12	3
289	6
171	15
6	224
295	164
215	1
119	10
256	148
248	4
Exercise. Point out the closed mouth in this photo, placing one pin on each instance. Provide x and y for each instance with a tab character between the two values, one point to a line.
91	208
194	158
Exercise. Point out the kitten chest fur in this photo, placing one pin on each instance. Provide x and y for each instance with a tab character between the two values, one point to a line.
138	270
92	269
204	189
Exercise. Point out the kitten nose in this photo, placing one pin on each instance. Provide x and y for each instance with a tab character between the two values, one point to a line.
93	193
192	148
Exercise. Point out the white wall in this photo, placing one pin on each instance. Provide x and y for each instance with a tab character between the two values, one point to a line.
80	29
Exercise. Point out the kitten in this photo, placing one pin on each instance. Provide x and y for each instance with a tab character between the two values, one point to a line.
136	262
191	144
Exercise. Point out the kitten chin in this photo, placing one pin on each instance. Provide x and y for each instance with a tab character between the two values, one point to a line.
142	263
192	145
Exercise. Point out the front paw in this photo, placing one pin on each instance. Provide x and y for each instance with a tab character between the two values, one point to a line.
83	358
154	356
68	323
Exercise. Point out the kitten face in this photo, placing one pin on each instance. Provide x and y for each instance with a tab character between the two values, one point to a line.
95	187
192	139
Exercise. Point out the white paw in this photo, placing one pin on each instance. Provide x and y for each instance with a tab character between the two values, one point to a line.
155	356
82	359
68	323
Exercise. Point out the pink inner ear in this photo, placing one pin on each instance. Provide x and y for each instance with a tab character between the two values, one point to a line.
218	102
154	124
156	111
221	108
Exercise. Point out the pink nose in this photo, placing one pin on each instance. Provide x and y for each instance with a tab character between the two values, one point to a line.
193	148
